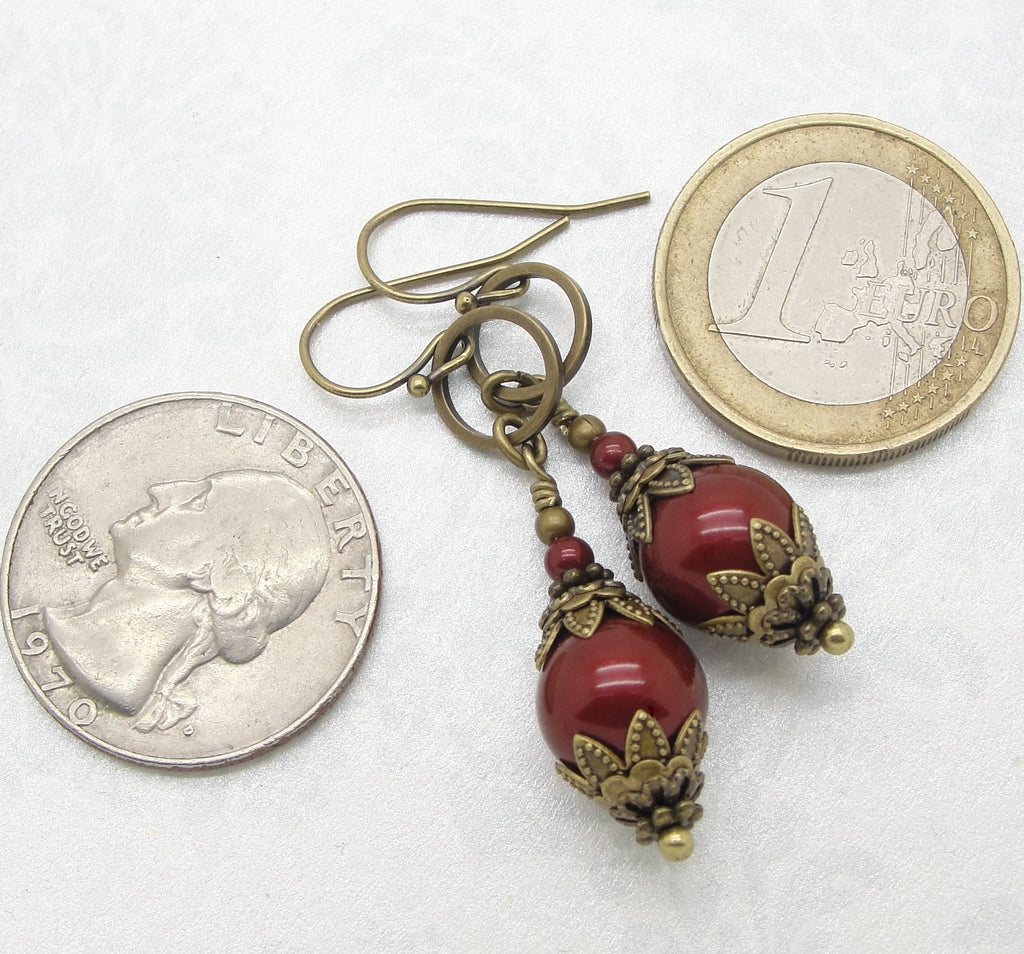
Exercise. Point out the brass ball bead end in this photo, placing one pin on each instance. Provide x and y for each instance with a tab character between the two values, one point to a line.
418	385
465	302
837	638
675	843
584	430
554	522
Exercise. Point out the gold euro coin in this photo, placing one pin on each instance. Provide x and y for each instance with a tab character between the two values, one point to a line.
836	288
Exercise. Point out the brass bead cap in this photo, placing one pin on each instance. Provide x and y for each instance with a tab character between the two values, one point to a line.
554	522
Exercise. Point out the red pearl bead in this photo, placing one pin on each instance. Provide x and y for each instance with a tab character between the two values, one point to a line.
708	530
608	450
567	553
595	686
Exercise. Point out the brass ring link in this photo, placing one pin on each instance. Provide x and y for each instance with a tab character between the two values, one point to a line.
541	398
499	280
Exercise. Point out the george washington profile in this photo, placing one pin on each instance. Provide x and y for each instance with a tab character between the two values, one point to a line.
211	568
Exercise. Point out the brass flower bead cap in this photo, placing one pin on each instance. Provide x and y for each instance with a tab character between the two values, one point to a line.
652	787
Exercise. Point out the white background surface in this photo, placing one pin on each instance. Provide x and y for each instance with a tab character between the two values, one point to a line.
181	186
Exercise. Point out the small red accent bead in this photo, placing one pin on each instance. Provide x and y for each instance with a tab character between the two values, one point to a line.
595	686
706	531
607	452
567	553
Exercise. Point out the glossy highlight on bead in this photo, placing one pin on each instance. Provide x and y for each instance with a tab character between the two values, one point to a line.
607	451
595	686
708	530
567	553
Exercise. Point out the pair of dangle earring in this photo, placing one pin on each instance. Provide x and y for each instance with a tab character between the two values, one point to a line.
721	546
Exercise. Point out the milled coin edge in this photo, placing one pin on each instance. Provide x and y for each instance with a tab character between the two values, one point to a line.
206	762
810	451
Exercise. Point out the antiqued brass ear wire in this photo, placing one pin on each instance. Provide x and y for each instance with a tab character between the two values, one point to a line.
484	274
564	213
649	777
721	546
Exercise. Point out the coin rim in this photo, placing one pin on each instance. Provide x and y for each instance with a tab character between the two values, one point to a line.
249	751
809	450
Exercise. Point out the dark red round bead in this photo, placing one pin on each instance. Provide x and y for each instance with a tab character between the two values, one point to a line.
567	553
706	531
608	450
595	686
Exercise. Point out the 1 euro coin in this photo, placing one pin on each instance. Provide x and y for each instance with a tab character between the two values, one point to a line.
836	288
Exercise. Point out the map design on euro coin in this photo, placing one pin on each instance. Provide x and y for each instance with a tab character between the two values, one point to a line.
190	580
874	292
837	288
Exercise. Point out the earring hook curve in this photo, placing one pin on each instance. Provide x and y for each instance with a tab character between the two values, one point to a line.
394	289
564	213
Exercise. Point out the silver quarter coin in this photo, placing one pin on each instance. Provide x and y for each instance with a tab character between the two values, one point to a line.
190	580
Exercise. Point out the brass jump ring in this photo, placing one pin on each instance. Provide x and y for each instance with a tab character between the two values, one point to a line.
582	328
547	393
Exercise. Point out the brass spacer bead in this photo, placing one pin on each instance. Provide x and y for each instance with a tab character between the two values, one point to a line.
554	522
584	430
